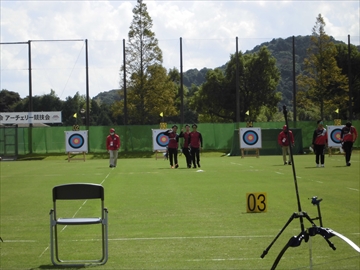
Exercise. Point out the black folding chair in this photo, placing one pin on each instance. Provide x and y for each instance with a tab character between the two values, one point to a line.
78	191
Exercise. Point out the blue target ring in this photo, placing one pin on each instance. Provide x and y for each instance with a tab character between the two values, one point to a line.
250	137
335	135
76	141
162	139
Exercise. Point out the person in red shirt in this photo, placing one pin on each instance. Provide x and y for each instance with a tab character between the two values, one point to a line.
173	146
284	142
113	145
319	142
196	142
348	137
185	147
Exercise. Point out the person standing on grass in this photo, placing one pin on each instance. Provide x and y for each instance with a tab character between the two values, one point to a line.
284	143
318	144
173	146
185	147
112	146
196	143
348	137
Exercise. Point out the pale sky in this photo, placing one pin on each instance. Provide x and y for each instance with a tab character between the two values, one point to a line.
208	30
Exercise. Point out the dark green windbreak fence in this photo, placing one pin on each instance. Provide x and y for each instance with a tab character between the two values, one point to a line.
139	138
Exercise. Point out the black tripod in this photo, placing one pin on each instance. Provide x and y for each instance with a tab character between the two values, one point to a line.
295	241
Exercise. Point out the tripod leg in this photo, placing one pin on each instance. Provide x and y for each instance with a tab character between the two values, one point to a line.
278	235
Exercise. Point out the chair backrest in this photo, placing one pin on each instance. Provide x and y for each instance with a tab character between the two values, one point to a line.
78	191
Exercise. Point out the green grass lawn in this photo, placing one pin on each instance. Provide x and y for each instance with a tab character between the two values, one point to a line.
162	218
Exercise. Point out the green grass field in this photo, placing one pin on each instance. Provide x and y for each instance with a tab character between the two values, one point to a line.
162	218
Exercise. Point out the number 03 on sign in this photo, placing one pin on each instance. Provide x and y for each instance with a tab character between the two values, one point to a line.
256	202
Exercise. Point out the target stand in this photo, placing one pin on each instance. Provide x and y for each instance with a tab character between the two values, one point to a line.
256	154
72	154
340	151
250	140
76	143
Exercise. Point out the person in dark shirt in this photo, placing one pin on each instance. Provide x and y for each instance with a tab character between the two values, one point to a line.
196	142
185	147
319	142
348	137
173	146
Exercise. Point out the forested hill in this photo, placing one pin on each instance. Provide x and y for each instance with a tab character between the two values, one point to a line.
280	48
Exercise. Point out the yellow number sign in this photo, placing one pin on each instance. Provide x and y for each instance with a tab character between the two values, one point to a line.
256	202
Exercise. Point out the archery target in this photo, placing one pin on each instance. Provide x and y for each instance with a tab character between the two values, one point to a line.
160	140
76	141
250	138
334	136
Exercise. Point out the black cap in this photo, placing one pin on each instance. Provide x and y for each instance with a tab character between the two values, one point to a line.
348	124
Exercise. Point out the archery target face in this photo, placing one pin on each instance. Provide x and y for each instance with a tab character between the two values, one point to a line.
334	136
160	140
250	138
76	141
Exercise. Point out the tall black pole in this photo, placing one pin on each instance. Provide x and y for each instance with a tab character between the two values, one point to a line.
181	85
293	169
125	98
87	85
350	80
30	98
237	95
294	80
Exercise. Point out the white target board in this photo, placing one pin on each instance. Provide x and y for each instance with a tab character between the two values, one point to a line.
76	141
334	136
250	138
160	140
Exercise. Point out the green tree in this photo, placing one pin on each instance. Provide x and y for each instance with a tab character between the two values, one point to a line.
343	63
322	85
50	102
71	106
8	100
258	79
150	90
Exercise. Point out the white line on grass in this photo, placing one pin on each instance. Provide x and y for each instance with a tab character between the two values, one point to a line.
233	163
227	259
279	172
353	189
189	237
75	213
178	238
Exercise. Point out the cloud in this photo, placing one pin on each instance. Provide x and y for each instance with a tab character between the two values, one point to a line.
208	30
